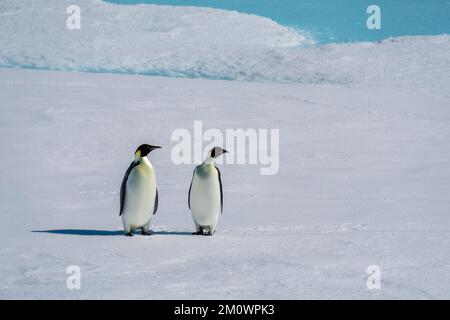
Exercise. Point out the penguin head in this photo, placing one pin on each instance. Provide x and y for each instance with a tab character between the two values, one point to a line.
144	149
214	153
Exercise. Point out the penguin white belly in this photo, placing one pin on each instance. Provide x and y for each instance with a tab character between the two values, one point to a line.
139	198
205	200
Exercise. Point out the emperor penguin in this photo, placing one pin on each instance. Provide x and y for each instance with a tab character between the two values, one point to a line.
205	194
138	193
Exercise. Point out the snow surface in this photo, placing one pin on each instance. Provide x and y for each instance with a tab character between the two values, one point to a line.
149	39
364	180
209	43
364	156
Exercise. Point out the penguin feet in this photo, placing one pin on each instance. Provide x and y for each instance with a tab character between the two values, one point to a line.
129	234
208	231
198	233
146	232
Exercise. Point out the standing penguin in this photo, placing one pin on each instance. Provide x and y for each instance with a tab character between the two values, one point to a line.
138	193
205	194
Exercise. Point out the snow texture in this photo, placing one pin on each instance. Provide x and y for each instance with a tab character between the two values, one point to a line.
364	173
208	43
364	180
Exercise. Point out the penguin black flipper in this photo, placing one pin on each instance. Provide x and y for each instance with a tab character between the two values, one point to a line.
155	207
190	187
221	191
123	185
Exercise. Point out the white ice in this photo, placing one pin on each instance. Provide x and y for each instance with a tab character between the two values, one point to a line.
364	180
364	156
209	43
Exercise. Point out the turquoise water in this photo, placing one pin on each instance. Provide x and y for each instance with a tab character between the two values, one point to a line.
338	20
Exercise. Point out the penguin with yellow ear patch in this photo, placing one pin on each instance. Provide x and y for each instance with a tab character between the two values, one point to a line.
138	193
205	194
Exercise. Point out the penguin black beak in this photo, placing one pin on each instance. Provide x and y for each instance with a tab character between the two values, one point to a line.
151	148
225	151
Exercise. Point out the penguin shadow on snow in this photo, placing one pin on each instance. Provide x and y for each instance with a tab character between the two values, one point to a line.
88	232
